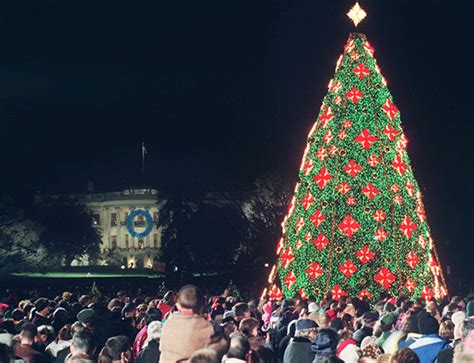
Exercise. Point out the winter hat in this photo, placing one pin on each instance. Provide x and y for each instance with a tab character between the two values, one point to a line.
457	319
325	342
267	311
388	319
370	316
470	309
267	308
86	316
312	307
41	304
427	324
305	324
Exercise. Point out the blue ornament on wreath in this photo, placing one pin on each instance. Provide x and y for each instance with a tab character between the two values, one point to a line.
131	226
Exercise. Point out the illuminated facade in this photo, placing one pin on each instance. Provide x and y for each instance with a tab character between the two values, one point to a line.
128	223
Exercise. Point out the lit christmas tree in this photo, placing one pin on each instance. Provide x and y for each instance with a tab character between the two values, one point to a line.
356	225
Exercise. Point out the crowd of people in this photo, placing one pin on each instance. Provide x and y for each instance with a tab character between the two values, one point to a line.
190	326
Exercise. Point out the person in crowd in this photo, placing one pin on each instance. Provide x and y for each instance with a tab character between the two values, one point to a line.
83	347
5	354
42	311
405	355
267	313
204	355
470	308
370	353
116	350
299	348
229	326
86	317
24	348
386	325
273	332
219	342
63	353
166	304
61	317
151	315
322	320
456	300
446	355
347	350
249	327
446	330
240	312
62	341
186	330
254	311
46	335
85	301
464	352
7	331
432	308
325	342
17	316
150	353
428	345
238	350
368	322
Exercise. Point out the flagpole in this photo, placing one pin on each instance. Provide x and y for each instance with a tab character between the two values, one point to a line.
143	158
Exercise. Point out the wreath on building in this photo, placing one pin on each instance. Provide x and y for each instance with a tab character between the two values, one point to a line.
131	223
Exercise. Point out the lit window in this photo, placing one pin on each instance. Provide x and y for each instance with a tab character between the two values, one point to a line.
113	242
113	219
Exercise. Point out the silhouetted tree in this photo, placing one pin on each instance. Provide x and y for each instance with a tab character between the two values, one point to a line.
68	231
20	246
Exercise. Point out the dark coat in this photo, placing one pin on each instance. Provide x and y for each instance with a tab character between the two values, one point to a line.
446	356
39	320
149	354
28	354
61	355
298	351
361	333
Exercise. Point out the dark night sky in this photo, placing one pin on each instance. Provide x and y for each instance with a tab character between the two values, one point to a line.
223	92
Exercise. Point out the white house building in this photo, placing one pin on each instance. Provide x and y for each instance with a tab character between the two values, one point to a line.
128	223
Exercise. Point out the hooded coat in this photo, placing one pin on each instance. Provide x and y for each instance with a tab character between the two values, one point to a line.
325	342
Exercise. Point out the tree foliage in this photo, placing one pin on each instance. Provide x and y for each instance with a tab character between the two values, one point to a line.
68	231
229	231
20	246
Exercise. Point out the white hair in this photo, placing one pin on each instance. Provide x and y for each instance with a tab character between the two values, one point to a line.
153	332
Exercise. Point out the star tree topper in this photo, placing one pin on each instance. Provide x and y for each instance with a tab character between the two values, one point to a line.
356	14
